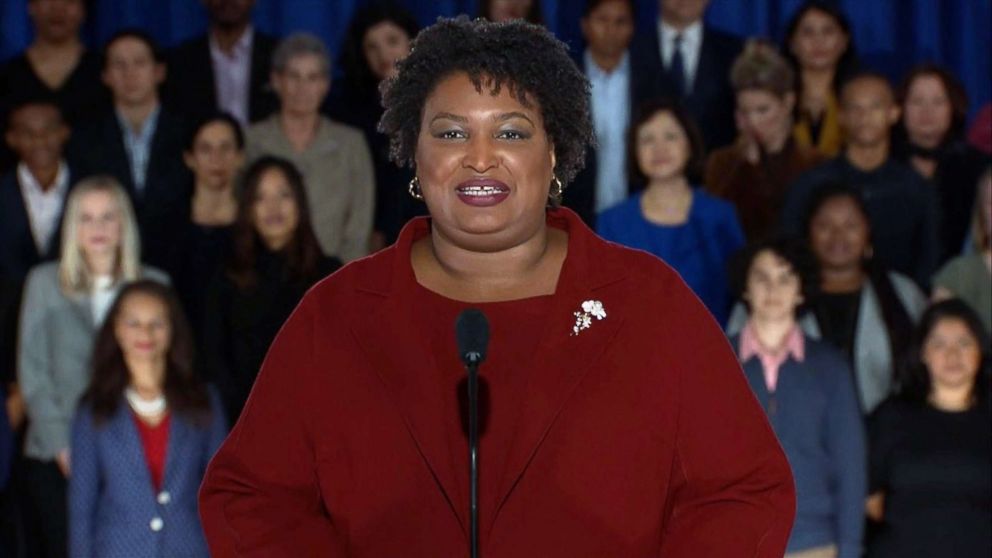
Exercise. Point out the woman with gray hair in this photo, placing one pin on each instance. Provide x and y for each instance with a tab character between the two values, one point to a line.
334	158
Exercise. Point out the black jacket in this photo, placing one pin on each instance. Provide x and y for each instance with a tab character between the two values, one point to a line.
190	79
711	100
97	147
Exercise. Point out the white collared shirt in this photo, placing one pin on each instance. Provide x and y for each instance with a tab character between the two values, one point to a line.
611	114
44	208
692	44
232	73
102	296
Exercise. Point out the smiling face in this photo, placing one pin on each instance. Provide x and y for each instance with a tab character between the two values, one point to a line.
215	158
818	42
927	111
142	328
275	211
951	354
485	165
37	134
773	290
663	148
838	234
100	225
385	43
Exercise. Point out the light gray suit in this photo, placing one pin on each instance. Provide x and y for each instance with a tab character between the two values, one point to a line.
56	336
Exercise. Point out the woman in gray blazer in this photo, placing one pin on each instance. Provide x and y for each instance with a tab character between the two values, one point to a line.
64	304
867	313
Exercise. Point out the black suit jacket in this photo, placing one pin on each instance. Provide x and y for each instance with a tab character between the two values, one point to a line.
580	195
190	79
98	148
18	254
711	100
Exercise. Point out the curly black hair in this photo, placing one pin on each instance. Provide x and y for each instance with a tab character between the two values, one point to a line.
525	58
793	251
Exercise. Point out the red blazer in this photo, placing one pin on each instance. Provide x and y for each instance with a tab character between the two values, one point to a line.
640	435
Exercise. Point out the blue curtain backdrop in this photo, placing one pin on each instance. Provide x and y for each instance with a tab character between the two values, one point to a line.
890	35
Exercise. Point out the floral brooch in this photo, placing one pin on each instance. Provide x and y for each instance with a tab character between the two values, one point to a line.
590	309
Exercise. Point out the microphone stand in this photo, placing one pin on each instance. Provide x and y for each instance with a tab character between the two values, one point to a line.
472	367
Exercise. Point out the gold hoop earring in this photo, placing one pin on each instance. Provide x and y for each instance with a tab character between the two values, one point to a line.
557	189
414	189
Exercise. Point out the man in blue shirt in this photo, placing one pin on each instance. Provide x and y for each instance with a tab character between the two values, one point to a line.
608	27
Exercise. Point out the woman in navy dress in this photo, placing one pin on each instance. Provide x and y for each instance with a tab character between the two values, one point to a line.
691	230
142	438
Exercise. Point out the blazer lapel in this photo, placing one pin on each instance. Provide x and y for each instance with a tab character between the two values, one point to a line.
409	375
177	448
566	357
131	451
117	164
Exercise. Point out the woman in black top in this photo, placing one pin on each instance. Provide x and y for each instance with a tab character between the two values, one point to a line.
930	138
56	66
274	261
214	154
378	36
930	481
866	312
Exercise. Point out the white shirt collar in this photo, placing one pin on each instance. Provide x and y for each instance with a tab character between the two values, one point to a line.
29	182
241	47
596	72
691	35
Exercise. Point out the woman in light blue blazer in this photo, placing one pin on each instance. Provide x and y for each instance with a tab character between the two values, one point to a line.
63	307
143	435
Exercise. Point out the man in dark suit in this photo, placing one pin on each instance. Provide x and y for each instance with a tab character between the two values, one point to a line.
608	27
689	60
225	69
140	142
32	200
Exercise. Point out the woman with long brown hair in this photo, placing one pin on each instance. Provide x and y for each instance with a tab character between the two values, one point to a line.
144	405
275	259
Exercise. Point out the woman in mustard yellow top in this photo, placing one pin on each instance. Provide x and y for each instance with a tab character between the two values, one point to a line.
818	44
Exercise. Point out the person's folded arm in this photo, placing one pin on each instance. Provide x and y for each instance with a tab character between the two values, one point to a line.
260	496
731	489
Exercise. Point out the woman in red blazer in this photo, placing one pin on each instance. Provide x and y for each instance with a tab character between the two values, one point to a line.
615	418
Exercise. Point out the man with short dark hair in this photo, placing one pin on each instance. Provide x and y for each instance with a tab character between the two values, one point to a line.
225	69
902	206
139	142
32	200
608	27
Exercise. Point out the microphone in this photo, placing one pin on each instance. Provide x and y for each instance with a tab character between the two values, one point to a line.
472	335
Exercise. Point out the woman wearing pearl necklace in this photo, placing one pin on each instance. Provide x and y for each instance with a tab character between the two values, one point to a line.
143	435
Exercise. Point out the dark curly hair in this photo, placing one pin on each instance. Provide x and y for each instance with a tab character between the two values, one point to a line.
793	251
526	58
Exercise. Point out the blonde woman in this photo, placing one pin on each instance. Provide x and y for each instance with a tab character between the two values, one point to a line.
64	304
754	172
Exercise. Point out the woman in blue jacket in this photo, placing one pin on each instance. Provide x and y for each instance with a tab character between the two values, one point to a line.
691	230
807	390
143	435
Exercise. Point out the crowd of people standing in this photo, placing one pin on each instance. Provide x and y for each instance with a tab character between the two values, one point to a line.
163	212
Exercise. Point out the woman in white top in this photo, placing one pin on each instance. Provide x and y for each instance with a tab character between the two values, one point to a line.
63	307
